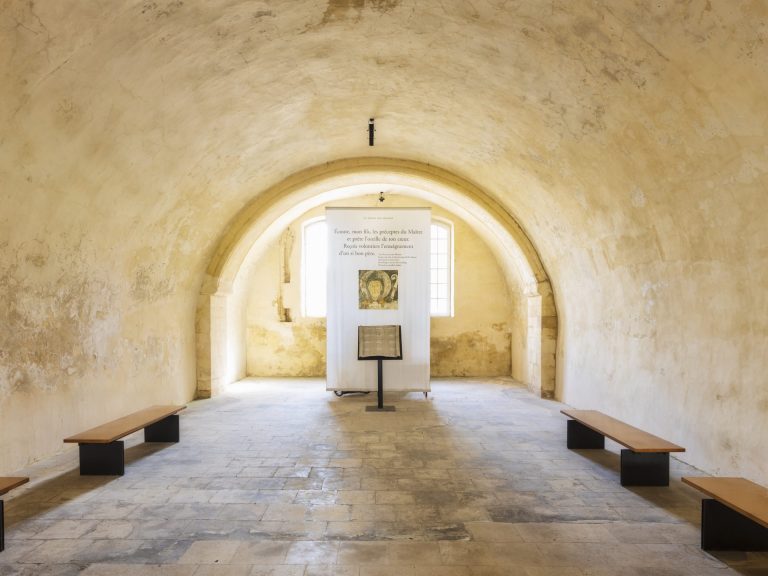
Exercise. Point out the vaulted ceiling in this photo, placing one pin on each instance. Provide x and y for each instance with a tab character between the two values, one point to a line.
627	138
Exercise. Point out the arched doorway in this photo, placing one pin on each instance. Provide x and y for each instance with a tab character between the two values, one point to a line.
263	219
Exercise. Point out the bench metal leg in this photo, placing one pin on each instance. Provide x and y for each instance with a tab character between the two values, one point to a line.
2	526
166	430
644	468
102	459
581	437
722	528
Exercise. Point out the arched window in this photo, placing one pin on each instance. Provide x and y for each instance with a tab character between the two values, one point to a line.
441	268
314	268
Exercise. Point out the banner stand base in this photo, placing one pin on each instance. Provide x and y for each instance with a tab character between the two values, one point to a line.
377	409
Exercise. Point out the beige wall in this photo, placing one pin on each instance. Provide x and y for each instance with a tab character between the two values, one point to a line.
274	347
86	333
476	341
627	139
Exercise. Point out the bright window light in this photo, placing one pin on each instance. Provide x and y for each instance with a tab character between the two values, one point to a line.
314	268
441	269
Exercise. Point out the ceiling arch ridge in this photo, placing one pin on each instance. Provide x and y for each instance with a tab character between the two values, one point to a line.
347	177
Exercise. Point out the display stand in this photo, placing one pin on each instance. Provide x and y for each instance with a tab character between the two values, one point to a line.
379	343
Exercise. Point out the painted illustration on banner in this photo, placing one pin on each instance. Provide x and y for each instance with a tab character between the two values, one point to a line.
378	289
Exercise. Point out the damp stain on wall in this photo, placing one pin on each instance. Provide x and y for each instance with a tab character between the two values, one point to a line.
56	313
299	351
293	349
469	354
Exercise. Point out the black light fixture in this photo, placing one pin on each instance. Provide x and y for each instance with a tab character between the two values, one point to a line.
381	196
371	130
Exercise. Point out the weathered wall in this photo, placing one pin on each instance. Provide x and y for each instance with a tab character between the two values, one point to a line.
628	139
276	347
476	341
75	345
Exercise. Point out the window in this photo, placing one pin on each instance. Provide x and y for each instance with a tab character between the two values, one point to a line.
314	268
441	269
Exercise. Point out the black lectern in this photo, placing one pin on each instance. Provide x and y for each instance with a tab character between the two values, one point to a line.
379	343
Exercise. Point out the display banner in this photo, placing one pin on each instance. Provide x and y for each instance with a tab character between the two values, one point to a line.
378	274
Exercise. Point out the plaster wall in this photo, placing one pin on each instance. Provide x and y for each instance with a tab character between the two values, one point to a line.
236	330
627	138
277	347
75	344
519	341
476	341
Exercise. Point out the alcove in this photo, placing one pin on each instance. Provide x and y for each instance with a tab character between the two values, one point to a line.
260	237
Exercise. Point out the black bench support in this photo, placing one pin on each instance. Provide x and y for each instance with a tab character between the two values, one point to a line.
582	437
722	528
102	459
109	459
2	526
166	430
644	468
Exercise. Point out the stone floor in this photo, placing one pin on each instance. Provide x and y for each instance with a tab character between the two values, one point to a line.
279	477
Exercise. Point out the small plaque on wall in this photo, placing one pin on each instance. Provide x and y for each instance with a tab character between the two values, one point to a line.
374	342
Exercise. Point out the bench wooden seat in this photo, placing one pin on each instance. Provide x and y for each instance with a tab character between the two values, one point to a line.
6	485
9	483
736	515
645	462
101	452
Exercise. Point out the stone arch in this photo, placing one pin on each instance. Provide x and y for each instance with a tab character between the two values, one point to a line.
261	220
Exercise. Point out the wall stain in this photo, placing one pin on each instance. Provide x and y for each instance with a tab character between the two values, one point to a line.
56	316
149	285
468	354
299	351
162	9
68	116
341	10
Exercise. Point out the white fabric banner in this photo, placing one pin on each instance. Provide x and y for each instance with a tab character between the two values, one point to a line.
378	274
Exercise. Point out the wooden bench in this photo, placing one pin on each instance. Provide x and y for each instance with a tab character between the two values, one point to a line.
644	463
736	517
6	485
101	452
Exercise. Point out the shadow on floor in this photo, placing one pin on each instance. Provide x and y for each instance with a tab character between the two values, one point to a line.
43	497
